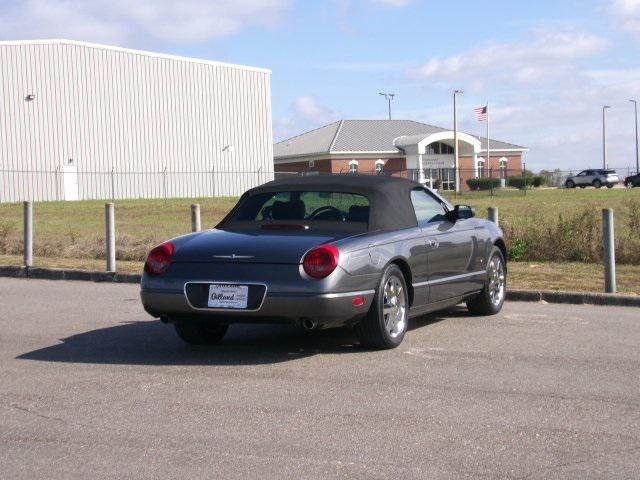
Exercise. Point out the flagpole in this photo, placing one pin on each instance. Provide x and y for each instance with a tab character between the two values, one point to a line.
488	163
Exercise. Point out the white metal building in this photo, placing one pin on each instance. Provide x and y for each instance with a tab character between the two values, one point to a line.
86	121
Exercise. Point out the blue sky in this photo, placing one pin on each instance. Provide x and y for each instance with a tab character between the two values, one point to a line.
546	67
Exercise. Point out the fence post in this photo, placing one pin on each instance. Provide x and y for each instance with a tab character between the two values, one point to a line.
608	242
195	218
164	184
492	215
28	234
491	179
57	181
113	186
524	177
110	237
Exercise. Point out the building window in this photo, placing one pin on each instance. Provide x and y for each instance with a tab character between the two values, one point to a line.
353	166
439	148
379	166
503	167
481	169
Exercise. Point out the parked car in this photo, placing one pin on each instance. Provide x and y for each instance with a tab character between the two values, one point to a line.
325	251
595	178
632	181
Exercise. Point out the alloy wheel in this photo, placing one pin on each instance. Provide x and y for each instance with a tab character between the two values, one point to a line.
496	281
394	307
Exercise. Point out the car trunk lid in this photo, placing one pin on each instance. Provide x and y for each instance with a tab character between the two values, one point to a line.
273	246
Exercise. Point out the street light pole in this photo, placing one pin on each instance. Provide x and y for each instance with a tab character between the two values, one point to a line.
605	161
389	97
455	139
635	104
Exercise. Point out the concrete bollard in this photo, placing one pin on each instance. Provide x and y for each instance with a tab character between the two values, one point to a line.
110	236
195	218
492	215
28	234
608	242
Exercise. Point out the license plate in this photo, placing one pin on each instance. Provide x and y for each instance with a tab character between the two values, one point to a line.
228	296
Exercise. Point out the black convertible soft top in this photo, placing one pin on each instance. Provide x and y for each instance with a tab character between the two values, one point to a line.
389	197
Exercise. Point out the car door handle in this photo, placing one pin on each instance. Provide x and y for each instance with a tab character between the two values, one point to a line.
432	243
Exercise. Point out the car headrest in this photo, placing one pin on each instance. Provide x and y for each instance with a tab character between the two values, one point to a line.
359	213
294	210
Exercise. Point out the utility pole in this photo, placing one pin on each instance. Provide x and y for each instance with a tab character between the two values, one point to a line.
635	104
605	160
389	97
455	139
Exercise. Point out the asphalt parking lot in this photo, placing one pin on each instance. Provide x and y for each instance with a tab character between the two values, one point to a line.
91	387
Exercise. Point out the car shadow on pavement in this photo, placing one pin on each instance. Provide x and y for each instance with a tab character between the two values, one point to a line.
153	343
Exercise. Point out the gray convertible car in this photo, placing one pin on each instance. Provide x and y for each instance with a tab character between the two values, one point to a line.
325	251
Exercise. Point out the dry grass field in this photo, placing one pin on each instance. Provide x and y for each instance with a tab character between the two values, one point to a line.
558	225
554	235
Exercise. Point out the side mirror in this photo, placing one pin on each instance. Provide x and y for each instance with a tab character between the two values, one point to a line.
462	212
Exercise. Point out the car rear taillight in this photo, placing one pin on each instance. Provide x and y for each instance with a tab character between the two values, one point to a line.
159	259
321	261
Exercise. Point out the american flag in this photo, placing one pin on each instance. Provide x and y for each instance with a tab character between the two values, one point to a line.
481	113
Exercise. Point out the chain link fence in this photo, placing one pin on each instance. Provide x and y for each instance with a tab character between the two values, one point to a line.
72	184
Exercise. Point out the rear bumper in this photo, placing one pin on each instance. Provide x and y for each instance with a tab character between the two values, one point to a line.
329	309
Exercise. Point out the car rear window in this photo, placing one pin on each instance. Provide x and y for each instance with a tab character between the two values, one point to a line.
609	172
304	208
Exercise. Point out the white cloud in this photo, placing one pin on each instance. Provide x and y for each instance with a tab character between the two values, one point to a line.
545	94
627	12
119	21
544	58
394	3
305	113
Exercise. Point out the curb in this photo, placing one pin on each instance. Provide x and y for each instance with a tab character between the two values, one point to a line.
575	298
68	274
549	296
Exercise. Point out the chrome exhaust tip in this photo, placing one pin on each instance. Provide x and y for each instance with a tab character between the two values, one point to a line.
309	324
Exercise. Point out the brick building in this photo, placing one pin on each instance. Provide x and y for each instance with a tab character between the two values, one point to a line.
397	147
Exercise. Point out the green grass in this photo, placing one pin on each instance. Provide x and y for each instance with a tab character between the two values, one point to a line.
559	225
76	229
547	225
516	207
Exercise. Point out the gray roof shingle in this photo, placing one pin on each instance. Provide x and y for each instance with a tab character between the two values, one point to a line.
363	136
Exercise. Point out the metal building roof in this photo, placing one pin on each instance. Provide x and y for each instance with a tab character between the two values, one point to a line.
360	136
59	41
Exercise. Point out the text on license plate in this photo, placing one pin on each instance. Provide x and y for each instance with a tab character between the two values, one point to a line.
228	296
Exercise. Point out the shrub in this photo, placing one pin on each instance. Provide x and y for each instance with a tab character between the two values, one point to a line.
517	250
538	181
483	183
519	182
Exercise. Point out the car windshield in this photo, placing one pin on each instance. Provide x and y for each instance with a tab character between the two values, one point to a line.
299	210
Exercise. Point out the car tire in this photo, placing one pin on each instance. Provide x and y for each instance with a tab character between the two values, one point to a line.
200	333
609	185
570	184
386	322
491	299
597	183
